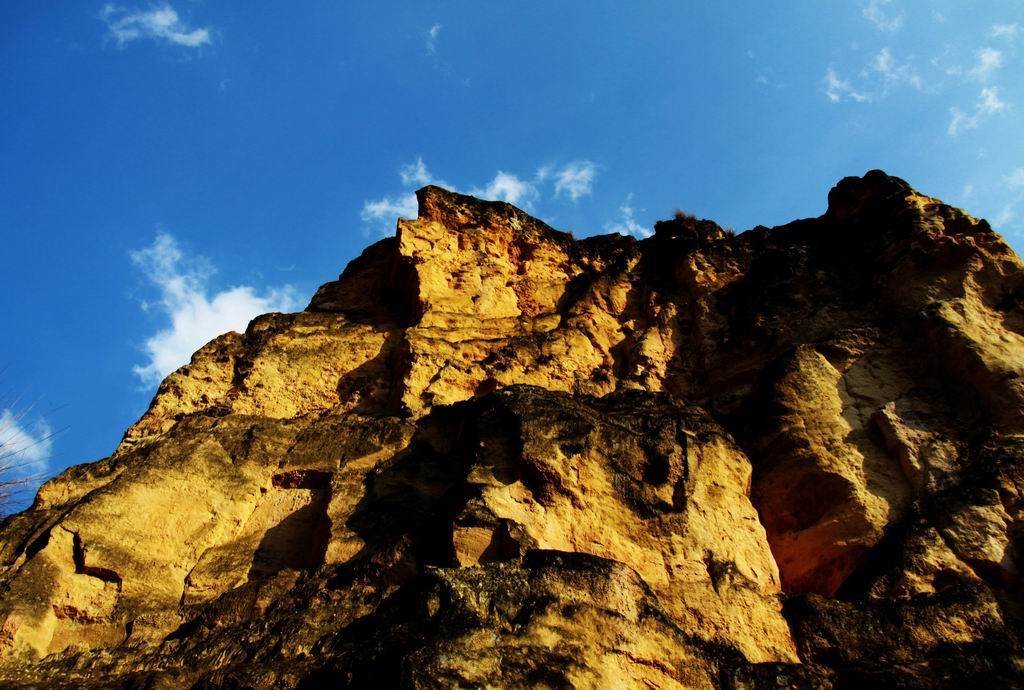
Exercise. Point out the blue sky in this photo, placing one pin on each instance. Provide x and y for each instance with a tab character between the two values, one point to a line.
168	170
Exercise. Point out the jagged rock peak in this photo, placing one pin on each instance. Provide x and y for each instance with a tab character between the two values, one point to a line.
493	455
852	194
459	211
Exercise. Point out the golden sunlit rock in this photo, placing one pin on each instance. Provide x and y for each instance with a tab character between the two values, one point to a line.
493	455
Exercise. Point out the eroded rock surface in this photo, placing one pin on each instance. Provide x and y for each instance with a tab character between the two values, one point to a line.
492	455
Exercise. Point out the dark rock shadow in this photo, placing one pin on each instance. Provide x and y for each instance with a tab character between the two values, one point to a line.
412	504
298	542
415	494
377	381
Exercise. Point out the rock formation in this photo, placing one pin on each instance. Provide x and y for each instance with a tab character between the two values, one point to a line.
492	455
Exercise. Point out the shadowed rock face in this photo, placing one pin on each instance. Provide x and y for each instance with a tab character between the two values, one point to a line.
491	455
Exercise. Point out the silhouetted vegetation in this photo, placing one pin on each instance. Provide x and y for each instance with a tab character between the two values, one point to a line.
15	477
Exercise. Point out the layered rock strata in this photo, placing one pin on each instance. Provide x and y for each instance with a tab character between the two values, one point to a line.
493	455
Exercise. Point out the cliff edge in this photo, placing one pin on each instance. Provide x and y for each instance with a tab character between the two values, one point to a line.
493	455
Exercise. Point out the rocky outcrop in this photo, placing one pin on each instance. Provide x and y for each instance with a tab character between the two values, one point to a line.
492	455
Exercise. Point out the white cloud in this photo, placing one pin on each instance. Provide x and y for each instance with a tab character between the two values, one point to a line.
390	207
416	174
1006	216
882	73
507	187
196	316
764	80
402	205
159	23
576	179
989	103
543	173
573	179
1015	180
430	38
893	72
24	451
503	187
1004	31
989	60
959	121
967	192
626	224
876	13
838	90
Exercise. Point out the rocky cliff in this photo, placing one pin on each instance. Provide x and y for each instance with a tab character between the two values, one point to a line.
492	455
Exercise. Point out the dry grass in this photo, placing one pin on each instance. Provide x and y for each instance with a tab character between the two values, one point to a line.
16	477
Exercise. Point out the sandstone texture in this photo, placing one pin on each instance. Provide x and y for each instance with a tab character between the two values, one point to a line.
491	455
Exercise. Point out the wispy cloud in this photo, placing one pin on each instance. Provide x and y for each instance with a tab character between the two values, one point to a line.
386	209
877	12
1006	215
576	179
765	74
626	223
960	121
416	174
989	103
159	23
430	38
573	180
196	316
838	90
1015	179
882	73
504	186
25	449
764	80
893	72
1004	31
389	208
989	60
507	187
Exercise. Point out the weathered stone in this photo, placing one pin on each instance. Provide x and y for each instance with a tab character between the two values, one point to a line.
492	455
